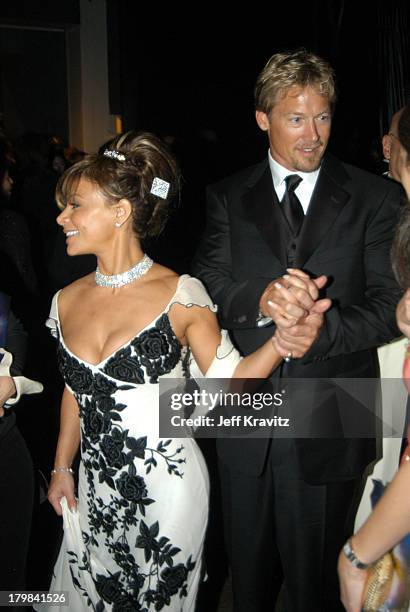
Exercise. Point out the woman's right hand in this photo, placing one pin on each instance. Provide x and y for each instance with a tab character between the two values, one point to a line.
352	584
62	485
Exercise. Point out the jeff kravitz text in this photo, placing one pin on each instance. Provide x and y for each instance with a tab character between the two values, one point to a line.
237	420
208	401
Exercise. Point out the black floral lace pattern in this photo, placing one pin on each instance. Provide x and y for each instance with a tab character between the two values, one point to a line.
114	459
156	350
74	373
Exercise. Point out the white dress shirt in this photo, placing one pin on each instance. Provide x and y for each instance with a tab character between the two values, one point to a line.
305	188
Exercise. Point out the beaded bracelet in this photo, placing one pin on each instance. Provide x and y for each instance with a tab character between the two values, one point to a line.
67	470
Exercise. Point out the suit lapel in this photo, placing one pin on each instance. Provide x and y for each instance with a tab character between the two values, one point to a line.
328	199
261	207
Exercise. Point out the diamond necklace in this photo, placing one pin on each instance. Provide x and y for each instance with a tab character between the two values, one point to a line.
124	278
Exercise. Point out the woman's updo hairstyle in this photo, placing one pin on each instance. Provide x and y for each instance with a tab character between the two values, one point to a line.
126	169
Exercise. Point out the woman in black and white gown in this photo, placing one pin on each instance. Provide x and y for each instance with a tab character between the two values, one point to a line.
134	538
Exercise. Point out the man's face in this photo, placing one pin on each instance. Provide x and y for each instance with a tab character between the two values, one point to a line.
392	147
298	128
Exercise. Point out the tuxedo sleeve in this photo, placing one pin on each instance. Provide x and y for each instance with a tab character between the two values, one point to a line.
16	344
238	301
372	322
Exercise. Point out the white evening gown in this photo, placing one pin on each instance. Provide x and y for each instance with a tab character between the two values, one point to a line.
136	541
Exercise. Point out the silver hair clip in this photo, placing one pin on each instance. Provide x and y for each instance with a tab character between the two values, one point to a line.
160	188
113	154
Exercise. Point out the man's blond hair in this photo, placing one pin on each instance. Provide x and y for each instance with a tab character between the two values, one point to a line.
296	68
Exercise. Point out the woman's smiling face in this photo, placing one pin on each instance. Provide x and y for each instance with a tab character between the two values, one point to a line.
88	221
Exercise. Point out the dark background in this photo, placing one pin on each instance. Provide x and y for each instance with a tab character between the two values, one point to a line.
188	75
194	76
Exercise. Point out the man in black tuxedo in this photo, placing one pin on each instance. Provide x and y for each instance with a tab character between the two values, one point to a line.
287	501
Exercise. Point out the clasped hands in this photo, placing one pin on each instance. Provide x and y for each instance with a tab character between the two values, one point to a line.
293	303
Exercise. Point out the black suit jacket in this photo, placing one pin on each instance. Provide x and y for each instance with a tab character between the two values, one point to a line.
347	234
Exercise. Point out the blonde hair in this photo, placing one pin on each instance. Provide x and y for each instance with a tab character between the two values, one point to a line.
297	68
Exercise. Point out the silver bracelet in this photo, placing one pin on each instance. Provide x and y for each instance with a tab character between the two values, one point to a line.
351	555
64	470
262	321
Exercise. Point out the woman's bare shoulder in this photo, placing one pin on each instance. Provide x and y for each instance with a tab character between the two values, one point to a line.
75	289
164	278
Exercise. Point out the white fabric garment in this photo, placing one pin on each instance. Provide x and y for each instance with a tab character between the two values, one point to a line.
137	538
391	358
23	385
305	188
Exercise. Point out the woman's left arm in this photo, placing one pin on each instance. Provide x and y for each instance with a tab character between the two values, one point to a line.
204	336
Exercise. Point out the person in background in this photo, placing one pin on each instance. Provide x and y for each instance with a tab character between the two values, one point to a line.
391	147
390	520
16	468
390	356
17	273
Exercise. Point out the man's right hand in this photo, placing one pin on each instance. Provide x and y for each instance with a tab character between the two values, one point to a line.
297	335
287	300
